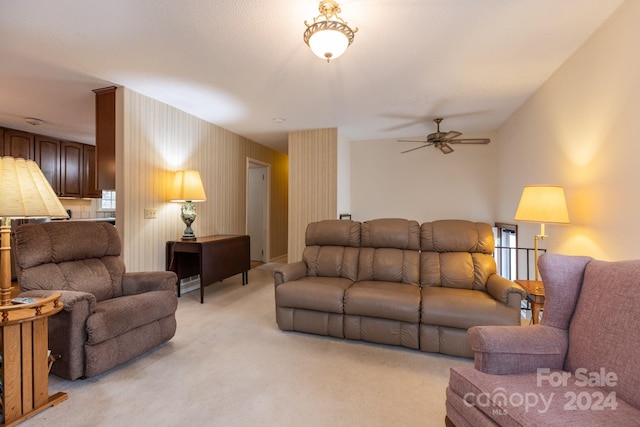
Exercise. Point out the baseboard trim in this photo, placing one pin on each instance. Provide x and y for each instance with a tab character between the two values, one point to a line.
281	258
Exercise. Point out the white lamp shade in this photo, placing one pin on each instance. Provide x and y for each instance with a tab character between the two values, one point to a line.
543	204
25	192
328	44
187	187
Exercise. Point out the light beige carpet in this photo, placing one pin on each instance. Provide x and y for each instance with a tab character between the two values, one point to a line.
230	365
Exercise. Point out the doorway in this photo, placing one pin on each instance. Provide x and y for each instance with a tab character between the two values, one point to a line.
258	198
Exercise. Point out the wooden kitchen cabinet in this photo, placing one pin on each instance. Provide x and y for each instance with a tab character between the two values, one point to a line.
89	178
70	169
18	144
47	156
106	137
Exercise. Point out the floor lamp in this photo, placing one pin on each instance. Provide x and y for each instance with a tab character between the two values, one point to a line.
24	193
544	204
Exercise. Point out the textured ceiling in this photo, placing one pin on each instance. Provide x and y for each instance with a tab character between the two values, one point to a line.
241	63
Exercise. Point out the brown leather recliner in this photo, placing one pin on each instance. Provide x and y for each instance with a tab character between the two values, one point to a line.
384	304
109	316
460	287
310	293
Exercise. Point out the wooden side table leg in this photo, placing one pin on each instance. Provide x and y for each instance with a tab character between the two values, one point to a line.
535	312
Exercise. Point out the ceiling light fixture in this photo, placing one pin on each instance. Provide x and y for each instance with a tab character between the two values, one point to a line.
329	35
33	121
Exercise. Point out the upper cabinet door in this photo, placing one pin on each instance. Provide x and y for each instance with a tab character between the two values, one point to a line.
47	156
89	179
106	137
18	144
70	169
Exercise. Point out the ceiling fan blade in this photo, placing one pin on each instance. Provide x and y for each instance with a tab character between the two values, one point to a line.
411	140
470	141
417	148
445	148
451	134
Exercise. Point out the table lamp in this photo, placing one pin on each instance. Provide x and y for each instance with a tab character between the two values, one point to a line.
543	204
187	188
24	193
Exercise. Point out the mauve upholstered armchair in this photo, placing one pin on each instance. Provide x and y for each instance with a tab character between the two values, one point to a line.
580	366
109	316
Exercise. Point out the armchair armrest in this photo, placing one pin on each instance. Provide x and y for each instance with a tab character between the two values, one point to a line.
504	350
69	298
67	331
288	272
141	282
506	291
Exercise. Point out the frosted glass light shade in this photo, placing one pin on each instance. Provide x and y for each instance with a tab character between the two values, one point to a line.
328	44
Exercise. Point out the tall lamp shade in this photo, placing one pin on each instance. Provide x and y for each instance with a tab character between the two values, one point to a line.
187	188
542	204
24	193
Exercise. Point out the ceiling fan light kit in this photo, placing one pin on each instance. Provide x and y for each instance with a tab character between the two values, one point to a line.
328	36
441	140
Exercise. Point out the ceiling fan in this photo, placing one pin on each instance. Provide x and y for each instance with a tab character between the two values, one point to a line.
441	140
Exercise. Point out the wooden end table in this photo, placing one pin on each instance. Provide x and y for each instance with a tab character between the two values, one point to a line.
214	258
535	295
25	361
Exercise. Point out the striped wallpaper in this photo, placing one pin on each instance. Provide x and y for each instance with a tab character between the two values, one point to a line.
313	183
154	140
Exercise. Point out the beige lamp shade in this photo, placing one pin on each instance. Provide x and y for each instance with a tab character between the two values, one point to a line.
187	187
544	204
25	192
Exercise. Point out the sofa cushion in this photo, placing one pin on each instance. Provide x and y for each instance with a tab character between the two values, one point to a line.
389	265
455	235
314	293
388	300
331	261
538	399
116	316
396	233
333	232
456	254
603	332
464	308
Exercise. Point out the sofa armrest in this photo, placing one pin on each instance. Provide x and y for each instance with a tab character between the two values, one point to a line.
506	291
141	282
288	272
504	350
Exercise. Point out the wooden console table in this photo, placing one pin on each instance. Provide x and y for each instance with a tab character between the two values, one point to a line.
25	361
214	258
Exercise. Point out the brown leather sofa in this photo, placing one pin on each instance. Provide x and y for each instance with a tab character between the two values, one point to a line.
393	281
110	316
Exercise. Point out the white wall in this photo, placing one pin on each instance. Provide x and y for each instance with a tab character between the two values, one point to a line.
582	130
425	184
